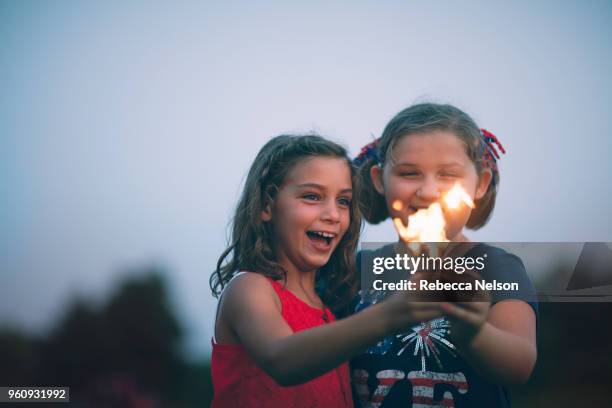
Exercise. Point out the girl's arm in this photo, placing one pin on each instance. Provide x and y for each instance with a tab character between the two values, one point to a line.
252	310
502	346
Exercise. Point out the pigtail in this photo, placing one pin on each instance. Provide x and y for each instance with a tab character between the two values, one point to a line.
372	205
484	208
490	154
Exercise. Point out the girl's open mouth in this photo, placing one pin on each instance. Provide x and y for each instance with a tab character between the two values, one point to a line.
321	239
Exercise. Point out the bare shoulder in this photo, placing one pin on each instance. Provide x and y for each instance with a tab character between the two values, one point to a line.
247	298
247	282
249	290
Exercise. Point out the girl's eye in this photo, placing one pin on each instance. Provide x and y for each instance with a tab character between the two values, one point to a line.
449	175
345	202
409	174
311	197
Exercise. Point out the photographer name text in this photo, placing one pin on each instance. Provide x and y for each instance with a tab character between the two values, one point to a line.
425	285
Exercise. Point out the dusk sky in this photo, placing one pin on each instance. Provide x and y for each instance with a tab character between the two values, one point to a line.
127	128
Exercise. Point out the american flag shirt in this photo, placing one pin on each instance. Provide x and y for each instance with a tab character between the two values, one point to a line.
422	368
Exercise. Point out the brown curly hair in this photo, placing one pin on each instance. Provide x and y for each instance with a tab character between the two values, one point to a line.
250	246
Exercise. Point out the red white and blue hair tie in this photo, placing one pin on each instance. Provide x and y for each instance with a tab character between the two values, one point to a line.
491	153
369	151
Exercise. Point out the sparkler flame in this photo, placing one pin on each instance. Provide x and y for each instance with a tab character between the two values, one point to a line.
427	224
456	196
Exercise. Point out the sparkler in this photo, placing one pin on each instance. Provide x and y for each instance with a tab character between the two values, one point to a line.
427	224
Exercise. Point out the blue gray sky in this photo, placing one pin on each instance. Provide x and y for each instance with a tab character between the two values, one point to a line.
126	128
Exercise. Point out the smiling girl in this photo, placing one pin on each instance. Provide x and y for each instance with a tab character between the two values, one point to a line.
296	227
469	356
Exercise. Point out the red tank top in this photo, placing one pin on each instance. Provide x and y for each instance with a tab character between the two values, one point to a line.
239	382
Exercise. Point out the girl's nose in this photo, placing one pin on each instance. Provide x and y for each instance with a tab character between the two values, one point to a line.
331	212
429	190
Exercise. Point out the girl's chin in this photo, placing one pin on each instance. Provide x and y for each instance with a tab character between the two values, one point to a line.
319	260
316	261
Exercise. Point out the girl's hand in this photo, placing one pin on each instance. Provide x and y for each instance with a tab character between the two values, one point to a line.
466	318
406	308
467	311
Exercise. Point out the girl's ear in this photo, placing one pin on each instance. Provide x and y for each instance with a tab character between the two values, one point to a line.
483	183
376	176
266	213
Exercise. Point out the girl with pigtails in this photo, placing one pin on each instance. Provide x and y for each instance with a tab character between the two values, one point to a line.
468	356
